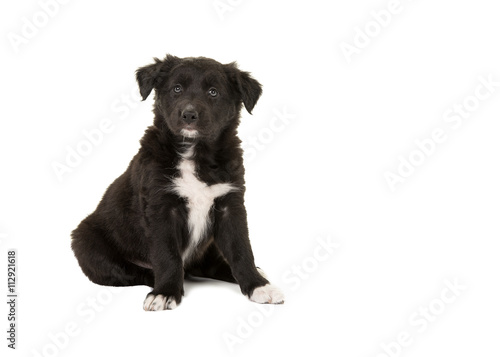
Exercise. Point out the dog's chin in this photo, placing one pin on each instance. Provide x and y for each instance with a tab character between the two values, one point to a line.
189	133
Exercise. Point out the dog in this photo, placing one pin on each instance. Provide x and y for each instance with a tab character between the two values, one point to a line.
178	210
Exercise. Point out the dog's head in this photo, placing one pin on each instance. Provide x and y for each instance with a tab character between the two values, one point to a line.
198	97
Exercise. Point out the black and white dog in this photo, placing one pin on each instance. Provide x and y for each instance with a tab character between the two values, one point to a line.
179	207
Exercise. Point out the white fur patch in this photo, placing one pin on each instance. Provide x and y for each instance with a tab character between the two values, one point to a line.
200	197
189	133
268	294
159	302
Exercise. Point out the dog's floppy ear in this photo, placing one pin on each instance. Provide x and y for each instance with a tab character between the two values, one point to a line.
248	88
152	76
147	76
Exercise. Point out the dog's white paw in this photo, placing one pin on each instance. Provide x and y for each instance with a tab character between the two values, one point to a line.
159	302
267	294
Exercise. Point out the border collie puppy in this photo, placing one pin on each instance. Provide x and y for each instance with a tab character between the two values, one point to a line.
179	208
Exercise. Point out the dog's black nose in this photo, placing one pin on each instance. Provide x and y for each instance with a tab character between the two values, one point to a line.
189	116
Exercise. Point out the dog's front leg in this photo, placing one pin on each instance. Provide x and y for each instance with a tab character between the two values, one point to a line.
231	237
166	260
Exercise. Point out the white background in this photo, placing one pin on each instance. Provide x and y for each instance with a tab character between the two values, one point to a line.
322	175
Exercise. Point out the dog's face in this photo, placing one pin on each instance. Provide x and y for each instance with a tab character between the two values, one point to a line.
198	97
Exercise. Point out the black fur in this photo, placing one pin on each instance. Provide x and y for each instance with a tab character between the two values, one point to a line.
138	232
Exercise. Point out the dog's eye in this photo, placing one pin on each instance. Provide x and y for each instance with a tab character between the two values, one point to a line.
177	88
213	92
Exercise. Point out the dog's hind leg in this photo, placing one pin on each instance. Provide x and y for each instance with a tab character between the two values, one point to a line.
100	261
212	265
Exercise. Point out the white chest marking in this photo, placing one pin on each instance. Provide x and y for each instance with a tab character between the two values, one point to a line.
200	199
